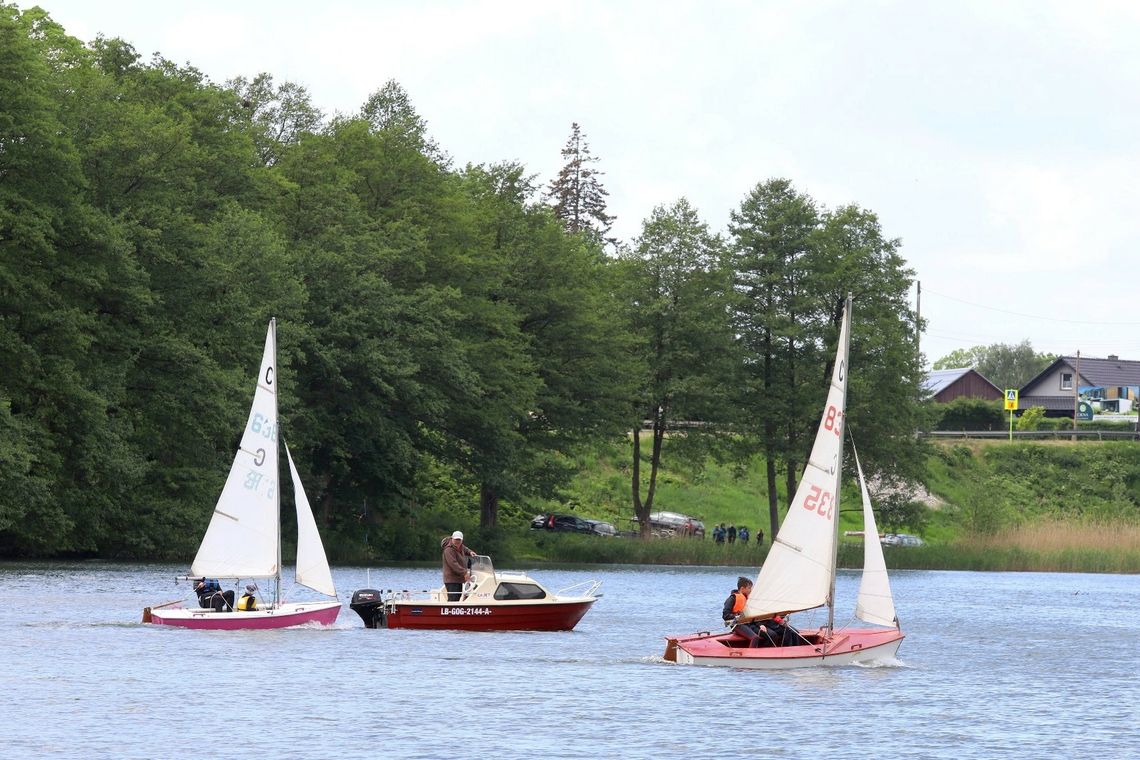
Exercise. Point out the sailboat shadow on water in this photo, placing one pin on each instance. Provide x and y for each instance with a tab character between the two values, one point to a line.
799	571
243	540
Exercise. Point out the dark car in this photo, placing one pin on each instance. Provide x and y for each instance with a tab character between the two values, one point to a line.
568	523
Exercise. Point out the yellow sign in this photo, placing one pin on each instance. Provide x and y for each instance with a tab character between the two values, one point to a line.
1011	399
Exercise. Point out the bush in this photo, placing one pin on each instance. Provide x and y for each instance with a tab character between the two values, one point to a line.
968	414
1031	418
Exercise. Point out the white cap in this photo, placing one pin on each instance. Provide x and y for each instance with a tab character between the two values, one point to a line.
457	534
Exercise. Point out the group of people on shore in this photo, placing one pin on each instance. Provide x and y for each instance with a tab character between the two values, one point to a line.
731	534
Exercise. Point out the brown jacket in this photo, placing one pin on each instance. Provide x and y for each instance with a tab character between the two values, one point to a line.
455	562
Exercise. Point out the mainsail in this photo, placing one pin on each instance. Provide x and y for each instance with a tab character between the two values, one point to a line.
242	539
799	571
875	603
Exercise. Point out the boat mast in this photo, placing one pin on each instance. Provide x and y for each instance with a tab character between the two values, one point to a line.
846	329
277	467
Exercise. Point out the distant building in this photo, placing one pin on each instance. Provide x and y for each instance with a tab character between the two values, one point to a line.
948	384
1112	384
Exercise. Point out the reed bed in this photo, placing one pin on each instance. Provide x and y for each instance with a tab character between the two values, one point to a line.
1050	546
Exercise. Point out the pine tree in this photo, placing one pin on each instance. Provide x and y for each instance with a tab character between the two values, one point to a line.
578	196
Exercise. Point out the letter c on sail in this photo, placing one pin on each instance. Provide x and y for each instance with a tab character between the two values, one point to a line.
259	458
269	376
842	369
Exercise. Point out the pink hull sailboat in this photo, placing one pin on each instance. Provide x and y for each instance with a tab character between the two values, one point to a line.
799	571
243	540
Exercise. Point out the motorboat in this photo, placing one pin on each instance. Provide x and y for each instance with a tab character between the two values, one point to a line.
493	600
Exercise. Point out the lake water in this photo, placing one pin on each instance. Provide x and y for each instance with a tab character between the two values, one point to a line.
994	665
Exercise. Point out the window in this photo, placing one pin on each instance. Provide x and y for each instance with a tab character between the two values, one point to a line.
1066	381
508	591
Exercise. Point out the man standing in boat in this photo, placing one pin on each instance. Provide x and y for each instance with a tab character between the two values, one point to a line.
455	570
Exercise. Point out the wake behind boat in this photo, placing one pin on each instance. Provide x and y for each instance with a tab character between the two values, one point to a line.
492	601
243	540
799	571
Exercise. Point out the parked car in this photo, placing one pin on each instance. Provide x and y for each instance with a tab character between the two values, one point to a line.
675	524
602	528
900	539
568	523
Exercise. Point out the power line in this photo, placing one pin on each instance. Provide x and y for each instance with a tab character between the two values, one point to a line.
1031	316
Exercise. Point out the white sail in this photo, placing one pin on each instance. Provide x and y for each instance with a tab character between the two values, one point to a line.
312	564
875	603
243	537
798	572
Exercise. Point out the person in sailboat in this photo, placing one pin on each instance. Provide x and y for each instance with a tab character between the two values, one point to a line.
734	605
455	569
211	596
248	600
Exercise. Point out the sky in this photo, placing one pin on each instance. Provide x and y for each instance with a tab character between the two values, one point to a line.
1000	142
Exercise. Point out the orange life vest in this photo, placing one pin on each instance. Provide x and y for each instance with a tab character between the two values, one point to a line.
738	603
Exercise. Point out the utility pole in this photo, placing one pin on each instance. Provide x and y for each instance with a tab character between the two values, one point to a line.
1076	391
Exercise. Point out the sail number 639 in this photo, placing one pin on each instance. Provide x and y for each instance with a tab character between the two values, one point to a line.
820	501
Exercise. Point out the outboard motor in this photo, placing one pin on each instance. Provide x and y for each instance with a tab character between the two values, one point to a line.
369	604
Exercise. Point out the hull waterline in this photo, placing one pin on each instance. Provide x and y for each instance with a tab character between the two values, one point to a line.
285	616
846	647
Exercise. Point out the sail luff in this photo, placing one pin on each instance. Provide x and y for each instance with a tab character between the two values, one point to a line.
798	573
276	465
312	563
242	538
875	603
846	341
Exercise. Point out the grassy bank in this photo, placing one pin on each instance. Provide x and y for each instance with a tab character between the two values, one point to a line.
1025	506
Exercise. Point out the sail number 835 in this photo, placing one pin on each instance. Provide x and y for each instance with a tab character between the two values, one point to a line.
833	420
819	501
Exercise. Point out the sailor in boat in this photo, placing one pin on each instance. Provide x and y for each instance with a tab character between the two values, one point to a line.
248	601
775	631
211	596
456	569
734	605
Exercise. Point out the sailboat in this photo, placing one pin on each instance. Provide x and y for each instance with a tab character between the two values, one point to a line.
243	540
799	571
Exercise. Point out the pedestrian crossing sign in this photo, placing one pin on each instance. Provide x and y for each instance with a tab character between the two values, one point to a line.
1011	399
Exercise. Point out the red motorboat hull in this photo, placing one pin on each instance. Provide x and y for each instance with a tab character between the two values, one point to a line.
519	616
845	647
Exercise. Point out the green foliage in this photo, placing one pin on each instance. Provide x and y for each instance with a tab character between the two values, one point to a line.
968	414
1006	366
1031	418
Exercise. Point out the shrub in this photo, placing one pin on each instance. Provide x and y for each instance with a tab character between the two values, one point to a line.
968	414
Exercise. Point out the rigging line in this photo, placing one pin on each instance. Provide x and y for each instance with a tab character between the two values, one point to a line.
1031	316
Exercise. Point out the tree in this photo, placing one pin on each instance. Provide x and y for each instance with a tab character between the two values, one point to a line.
678	291
1004	365
579	199
778	322
278	115
561	294
794	267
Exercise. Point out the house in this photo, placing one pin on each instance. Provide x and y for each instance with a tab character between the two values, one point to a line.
948	384
1113	382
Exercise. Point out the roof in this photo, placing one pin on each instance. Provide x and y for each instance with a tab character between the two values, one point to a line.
940	379
1096	373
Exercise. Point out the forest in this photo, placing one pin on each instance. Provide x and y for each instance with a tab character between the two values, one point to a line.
450	337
